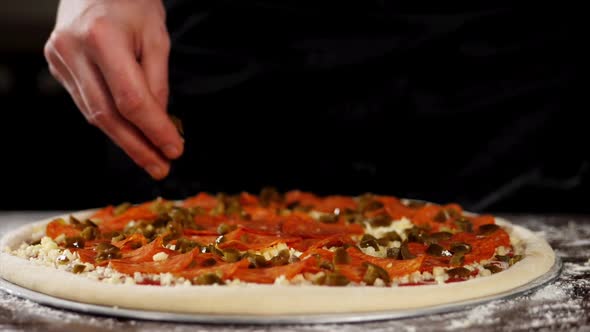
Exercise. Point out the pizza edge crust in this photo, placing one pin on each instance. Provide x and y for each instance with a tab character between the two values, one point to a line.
253	299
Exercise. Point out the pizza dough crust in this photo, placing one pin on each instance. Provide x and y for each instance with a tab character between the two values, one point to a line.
251	299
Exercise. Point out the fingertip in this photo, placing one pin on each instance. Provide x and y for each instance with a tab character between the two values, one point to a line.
172	151
158	172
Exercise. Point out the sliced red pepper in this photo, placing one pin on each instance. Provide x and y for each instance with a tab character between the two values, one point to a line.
58	227
171	264
242	239
147	252
131	242
202	200
395	268
310	228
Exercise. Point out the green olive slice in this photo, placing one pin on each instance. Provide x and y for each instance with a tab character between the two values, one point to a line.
381	220
208	262
503	258
231	255
211	249
223	229
207	279
389	237
62	259
327	265
336	279
440	236
282	258
493	268
329	218
514	259
393	253
75	242
405	252
457	259
107	251
369	241
373	272
341	256
78	268
257	261
459	272
435	250
416	234
89	233
488	229
460	247
464	225
184	245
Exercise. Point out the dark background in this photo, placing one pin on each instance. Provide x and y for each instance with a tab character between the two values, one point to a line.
52	159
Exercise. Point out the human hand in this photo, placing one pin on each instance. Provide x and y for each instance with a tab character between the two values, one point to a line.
112	58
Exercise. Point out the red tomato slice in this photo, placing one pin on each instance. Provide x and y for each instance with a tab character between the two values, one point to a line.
118	223
104	214
310	228
242	239
302	198
395	268
482	220
337	240
247	199
128	243
484	247
417	248
147	252
303	244
394	207
203	240
58	227
171	264
203	200
87	255
330	203
189	231
226	270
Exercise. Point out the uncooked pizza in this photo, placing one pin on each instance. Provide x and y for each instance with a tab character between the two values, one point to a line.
274	252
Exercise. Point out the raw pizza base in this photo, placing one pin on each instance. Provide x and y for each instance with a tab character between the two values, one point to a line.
251	299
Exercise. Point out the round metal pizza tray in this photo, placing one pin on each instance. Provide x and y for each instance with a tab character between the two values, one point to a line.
58	303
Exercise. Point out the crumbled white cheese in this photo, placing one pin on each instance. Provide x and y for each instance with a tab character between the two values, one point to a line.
502	251
281	280
416	276
399	226
138	277
61	238
440	276
47	243
382	252
379	283
166	279
273	251
161	256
